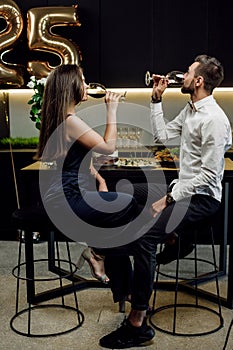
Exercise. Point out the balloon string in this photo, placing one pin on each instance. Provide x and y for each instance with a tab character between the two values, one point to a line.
5	103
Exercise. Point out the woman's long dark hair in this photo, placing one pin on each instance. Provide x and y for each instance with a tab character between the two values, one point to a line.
63	87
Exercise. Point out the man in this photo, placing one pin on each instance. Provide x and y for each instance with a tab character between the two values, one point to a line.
205	135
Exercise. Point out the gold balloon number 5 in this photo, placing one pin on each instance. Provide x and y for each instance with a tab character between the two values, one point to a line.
40	22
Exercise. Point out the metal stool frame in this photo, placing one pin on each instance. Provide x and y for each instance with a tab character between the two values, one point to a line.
54	265
193	281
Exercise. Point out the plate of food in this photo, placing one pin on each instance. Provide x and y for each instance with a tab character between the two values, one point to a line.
137	163
168	157
105	160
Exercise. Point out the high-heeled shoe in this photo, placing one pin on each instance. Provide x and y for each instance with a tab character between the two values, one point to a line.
86	255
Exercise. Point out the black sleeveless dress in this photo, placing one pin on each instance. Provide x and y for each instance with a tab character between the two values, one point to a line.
73	183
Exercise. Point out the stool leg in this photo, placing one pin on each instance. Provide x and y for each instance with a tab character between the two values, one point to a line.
18	271
29	258
195	267
59	266
51	251
74	290
216	272
176	286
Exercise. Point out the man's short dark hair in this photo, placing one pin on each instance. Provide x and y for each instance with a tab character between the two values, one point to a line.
211	70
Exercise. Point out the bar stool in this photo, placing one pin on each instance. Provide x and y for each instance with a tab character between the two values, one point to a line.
24	321
186	311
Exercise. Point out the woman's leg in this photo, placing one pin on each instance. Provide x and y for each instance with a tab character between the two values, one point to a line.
108	210
105	209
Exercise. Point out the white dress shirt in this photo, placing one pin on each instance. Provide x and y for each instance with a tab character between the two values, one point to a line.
205	135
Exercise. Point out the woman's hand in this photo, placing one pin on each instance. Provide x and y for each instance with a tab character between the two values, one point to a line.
158	206
102	187
112	99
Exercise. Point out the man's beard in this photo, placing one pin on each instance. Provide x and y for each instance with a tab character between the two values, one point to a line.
188	89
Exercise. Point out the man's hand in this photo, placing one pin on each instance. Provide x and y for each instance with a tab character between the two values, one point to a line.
158	206
159	85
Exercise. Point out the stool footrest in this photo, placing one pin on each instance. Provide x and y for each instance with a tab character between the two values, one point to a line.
30	310
192	306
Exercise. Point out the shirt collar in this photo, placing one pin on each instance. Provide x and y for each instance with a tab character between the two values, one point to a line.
197	105
192	106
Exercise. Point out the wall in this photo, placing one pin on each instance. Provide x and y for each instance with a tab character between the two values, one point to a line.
134	111
120	40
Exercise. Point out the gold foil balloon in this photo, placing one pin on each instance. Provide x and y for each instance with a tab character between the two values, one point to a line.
10	74
41	38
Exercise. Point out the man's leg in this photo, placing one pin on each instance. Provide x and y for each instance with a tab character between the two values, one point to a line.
201	208
179	216
117	266
120	272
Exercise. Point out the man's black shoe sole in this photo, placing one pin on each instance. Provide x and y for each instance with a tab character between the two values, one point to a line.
118	344
124	346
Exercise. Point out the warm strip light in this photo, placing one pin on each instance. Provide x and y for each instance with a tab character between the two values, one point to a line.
173	90
19	91
133	90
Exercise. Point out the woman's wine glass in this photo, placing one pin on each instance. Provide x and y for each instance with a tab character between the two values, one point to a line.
98	90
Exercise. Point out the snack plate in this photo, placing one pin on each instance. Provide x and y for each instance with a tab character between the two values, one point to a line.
133	163
140	166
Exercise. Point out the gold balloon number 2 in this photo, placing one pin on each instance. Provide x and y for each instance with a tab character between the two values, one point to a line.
40	22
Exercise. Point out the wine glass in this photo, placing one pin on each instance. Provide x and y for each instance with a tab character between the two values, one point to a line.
174	78
98	90
119	138
124	137
138	138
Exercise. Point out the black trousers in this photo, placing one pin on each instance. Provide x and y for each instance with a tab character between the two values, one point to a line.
181	217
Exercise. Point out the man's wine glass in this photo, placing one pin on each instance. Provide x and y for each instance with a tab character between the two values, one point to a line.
174	78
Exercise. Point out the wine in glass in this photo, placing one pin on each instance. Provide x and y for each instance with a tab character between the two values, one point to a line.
174	78
98	90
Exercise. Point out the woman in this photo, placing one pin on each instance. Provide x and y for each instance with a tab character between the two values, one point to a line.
66	88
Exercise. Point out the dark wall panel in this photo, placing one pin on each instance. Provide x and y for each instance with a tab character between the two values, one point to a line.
88	38
180	33
120	40
126	41
221	37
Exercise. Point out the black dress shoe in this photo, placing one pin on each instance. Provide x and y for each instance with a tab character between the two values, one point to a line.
170	252
127	336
